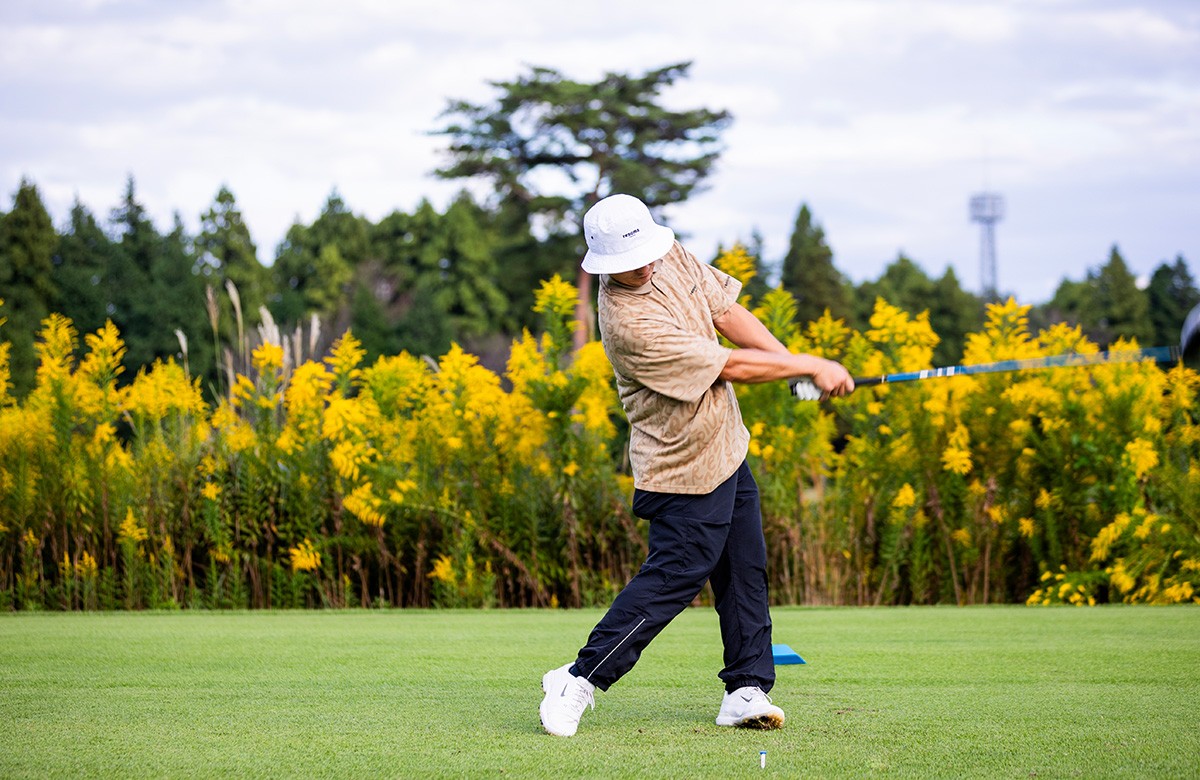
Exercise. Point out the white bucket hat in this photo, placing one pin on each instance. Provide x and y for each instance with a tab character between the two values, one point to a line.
622	236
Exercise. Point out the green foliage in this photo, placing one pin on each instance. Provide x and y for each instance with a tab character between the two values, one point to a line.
1171	294
411	482
953	312
1107	304
315	264
84	271
226	252
27	245
809	273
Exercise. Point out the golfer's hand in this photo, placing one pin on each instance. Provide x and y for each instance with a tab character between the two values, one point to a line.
833	380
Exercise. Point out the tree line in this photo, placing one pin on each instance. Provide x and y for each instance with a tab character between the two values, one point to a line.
420	281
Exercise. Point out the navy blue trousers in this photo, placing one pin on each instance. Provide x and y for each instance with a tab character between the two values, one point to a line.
715	538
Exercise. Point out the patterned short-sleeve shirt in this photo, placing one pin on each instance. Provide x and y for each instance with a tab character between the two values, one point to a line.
687	434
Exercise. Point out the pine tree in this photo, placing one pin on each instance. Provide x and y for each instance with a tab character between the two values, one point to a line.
228	253
809	274
1124	311
179	296
83	269
1171	295
315	264
27	245
1107	305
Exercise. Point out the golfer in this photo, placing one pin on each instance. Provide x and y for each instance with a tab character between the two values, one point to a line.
660	311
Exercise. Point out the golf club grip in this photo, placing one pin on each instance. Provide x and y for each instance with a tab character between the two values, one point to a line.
1070	360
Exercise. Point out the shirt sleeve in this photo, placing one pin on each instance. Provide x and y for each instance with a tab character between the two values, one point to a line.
720	289
669	360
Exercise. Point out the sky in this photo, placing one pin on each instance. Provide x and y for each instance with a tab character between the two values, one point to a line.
882	116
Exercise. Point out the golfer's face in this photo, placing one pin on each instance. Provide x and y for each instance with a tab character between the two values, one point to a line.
635	278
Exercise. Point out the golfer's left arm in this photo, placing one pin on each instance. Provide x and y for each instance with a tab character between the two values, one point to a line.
764	358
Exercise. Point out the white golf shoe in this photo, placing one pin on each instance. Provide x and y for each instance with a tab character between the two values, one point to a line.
567	696
749	708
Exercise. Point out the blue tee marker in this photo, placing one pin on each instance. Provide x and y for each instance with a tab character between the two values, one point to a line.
785	655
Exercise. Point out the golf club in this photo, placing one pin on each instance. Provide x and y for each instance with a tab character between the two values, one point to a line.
1187	351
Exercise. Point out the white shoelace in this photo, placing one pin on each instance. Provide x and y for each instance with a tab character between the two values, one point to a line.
582	697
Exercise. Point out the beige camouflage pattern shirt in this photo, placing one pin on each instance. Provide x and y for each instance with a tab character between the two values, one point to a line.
687	434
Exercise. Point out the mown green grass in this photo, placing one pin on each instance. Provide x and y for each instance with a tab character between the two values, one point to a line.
921	692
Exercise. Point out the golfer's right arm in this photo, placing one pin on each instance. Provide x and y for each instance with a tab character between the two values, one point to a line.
763	358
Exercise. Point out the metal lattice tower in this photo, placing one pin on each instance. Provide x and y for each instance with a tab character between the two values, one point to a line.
987	208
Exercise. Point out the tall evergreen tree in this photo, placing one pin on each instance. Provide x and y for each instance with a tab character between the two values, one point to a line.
179	296
1107	305
1171	295
227	253
27	244
809	273
315	264
1123	308
83	268
133	302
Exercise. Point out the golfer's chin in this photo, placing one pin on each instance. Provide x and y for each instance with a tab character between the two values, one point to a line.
634	278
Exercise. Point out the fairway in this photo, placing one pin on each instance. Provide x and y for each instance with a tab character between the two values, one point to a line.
898	692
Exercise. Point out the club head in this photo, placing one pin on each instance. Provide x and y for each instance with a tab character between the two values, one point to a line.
1189	337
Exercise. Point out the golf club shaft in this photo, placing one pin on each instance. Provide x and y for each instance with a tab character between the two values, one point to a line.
1071	360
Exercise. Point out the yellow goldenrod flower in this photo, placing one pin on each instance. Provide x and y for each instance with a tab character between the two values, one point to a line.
556	297
1147	525
130	530
304	557
957	457
1120	578
1178	593
905	497
571	468
364	505
1026	527
956	460
737	262
243	390
345	356
1044	499
443	571
1142	456
86	567
211	491
267	359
